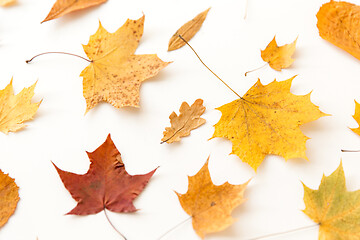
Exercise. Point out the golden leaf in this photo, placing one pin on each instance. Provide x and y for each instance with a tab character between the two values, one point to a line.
278	57
210	206
116	73
266	121
188	119
5	3
187	31
62	7
9	197
15	109
335	209
356	116
339	23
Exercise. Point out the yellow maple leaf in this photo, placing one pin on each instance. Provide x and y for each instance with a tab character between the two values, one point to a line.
62	7
356	116
188	119
336	210
210	206
187	31
15	109
339	23
115	72
265	121
9	197
278	57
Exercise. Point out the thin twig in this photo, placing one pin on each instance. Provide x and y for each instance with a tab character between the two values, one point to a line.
350	150
173	228
246	8
112	225
208	67
283	233
28	61
255	69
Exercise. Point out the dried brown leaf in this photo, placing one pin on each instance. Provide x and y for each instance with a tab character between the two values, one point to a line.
187	31
188	120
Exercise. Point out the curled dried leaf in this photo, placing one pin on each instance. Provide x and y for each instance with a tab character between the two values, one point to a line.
187	31
5	3
339	23
188	119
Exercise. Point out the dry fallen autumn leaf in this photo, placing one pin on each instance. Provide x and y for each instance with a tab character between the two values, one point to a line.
115	72
106	184
265	121
187	31
336	210
9	197
16	109
356	116
278	57
339	23
210	206
188	119
62	7
5	3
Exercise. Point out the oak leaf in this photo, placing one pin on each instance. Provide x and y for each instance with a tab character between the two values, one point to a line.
106	184
336	210
339	23
278	57
265	121
62	7
16	109
115	72
187	31
356	116
5	3
210	206
9	197
188	119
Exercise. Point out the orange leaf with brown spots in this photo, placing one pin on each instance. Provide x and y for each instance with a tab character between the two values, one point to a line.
115	72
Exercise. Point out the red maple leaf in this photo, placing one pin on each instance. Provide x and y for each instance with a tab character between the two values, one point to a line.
106	184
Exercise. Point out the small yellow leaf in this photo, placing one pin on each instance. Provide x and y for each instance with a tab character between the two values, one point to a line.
187	31
357	118
278	57
336	210
5	3
266	121
15	109
339	23
188	119
9	197
210	206
115	72
62	7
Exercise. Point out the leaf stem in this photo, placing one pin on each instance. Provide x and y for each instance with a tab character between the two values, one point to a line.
112	225
283	233
246	8
255	69
342	150
209	68
173	228
28	61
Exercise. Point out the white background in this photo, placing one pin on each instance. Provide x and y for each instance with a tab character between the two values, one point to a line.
230	45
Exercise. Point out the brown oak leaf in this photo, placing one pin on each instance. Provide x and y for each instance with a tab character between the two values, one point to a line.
106	184
188	119
9	197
